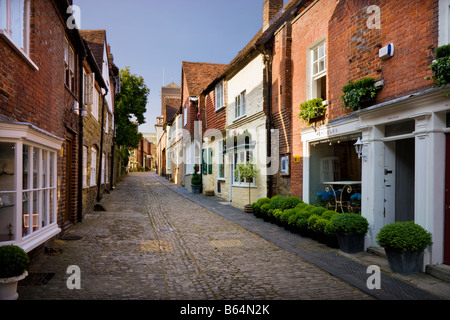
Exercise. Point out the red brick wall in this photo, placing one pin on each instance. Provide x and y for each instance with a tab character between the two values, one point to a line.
305	31
214	119
40	97
352	54
281	97
353	48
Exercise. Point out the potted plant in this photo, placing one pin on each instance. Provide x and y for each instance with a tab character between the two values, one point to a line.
13	264
196	181
350	229
247	172
312	109
360	93
404	243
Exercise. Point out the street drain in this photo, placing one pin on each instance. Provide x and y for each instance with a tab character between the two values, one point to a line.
226	243
36	279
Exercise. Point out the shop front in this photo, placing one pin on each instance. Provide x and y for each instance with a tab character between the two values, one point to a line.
28	185
386	162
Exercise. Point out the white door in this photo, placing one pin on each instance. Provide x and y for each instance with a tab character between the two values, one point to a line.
389	182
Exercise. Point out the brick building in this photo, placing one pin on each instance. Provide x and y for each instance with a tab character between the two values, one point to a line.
40	71
195	76
403	130
49	80
98	124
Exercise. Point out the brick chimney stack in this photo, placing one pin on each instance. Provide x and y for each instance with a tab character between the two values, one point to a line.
271	9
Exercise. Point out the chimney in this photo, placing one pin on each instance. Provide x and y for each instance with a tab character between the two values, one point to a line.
270	10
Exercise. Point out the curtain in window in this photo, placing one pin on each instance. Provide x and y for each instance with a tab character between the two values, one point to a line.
17	22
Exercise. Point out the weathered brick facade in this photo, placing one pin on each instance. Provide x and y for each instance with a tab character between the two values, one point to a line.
40	97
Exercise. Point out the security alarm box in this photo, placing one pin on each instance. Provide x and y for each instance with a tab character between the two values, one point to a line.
386	52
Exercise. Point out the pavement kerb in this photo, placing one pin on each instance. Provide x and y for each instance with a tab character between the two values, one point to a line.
426	288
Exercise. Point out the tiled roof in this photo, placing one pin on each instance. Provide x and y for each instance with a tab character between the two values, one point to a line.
96	40
171	106
199	74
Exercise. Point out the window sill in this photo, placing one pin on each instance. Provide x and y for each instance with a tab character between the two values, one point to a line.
240	117
18	50
220	109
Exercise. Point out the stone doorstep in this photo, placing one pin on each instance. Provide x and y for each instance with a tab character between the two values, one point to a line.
440	271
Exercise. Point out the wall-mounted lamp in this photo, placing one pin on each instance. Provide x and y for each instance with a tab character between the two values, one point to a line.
359	148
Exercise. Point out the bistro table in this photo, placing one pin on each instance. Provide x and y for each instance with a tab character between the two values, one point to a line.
346	186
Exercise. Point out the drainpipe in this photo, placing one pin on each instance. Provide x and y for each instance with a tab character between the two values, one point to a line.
267	65
80	144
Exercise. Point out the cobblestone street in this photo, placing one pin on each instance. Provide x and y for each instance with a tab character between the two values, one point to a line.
152	243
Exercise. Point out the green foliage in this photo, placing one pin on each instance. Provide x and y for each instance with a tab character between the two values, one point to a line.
130	108
443	51
318	210
13	261
257	205
196	179
287	214
405	236
289	202
359	92
329	214
349	223
441	71
311	109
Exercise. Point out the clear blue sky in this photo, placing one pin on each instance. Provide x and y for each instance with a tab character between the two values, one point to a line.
152	37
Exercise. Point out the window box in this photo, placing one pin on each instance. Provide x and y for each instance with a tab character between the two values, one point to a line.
312	110
359	94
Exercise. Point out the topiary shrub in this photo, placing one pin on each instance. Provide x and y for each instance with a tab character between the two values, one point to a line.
318	211
349	223
288	202
404	236
275	201
329	214
286	215
257	206
13	261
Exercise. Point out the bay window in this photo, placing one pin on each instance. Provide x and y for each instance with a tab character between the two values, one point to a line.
28	186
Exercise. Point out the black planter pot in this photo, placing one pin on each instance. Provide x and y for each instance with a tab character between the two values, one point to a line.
351	243
196	188
404	262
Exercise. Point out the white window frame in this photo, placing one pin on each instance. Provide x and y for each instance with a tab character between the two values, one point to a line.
69	66
240	105
89	87
185	113
95	104
33	200
221	160
85	155
93	175
315	73
444	22
242	156
219	96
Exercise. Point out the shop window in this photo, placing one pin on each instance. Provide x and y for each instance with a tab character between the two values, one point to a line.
333	166
29	206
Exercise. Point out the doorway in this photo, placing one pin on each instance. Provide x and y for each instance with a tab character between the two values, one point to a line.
447	204
399	172
69	187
